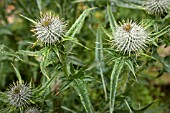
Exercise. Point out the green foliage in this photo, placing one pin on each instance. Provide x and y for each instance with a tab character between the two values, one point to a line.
84	72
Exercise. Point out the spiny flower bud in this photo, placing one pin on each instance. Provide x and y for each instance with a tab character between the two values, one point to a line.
19	94
129	37
157	7
32	110
49	29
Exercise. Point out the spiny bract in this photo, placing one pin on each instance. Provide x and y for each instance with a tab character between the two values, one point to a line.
19	94
130	37
49	29
32	110
157	7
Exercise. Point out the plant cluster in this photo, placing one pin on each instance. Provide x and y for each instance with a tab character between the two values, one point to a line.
90	56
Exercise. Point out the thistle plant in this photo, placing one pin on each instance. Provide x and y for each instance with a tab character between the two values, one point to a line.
130	37
65	74
19	94
157	7
49	29
32	110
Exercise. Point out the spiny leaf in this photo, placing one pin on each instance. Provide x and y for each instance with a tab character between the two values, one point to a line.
17	73
46	85
119	62
81	89
29	53
147	23
99	58
130	65
43	70
112	19
78	23
75	41
161	32
10	54
67	85
75	60
31	20
106	32
151	57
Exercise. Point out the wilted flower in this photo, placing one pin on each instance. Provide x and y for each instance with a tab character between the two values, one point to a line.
157	7
19	94
32	110
130	37
49	28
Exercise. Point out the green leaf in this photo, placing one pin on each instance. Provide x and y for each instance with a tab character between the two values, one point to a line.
161	32
31	20
74	41
68	109
78	23
99	47
99	58
43	70
39	3
119	62
112	19
130	111
147	23
128	4
151	57
130	66
66	86
29	53
106	32
3	97
10	54
75	60
4	31
17	73
77	1
81	89
41	90
143	108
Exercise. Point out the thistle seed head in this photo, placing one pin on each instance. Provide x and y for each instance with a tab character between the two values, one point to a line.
49	29
129	37
19	94
157	7
32	110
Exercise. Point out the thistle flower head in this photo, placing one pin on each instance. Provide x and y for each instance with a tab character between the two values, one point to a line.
157	7
49	29
129	37
32	110
19	94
